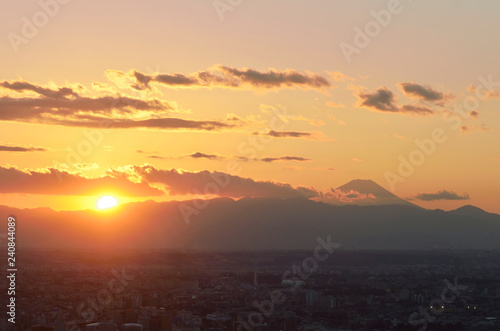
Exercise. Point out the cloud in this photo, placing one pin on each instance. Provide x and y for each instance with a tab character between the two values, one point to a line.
414	90
294	134
199	155
154	123
226	77
464	129
473	114
489	94
326	168
5	148
285	158
419	110
30	108
67	108
442	195
293	168
21	86
218	183
383	100
65	101
339	196
86	166
338	76
53	181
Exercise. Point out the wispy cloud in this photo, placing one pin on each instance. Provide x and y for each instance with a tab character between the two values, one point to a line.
63	106
285	158
422	92
383	100
225	77
442	195
339	196
199	155
294	134
10	148
22	86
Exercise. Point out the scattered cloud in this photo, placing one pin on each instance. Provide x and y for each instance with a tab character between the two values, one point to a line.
225	77
326	168
218	183
63	106
383	100
418	110
53	181
295	134
339	196
489	94
464	129
294	168
340	77
422	92
199	155
442	195
473	114
22	86
10	148
285	158
86	166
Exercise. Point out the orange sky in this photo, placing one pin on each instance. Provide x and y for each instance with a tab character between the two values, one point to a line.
289	99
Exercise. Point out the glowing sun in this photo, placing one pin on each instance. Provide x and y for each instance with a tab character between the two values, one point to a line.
106	202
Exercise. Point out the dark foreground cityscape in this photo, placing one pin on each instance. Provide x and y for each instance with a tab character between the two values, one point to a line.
324	289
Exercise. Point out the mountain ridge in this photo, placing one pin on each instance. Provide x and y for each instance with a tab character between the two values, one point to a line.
254	224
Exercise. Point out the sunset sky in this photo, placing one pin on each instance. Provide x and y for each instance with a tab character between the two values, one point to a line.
146	100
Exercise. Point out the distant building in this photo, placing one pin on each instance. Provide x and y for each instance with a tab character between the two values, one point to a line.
105	326
160	323
132	327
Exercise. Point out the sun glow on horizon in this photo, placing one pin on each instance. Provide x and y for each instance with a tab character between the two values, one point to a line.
106	202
